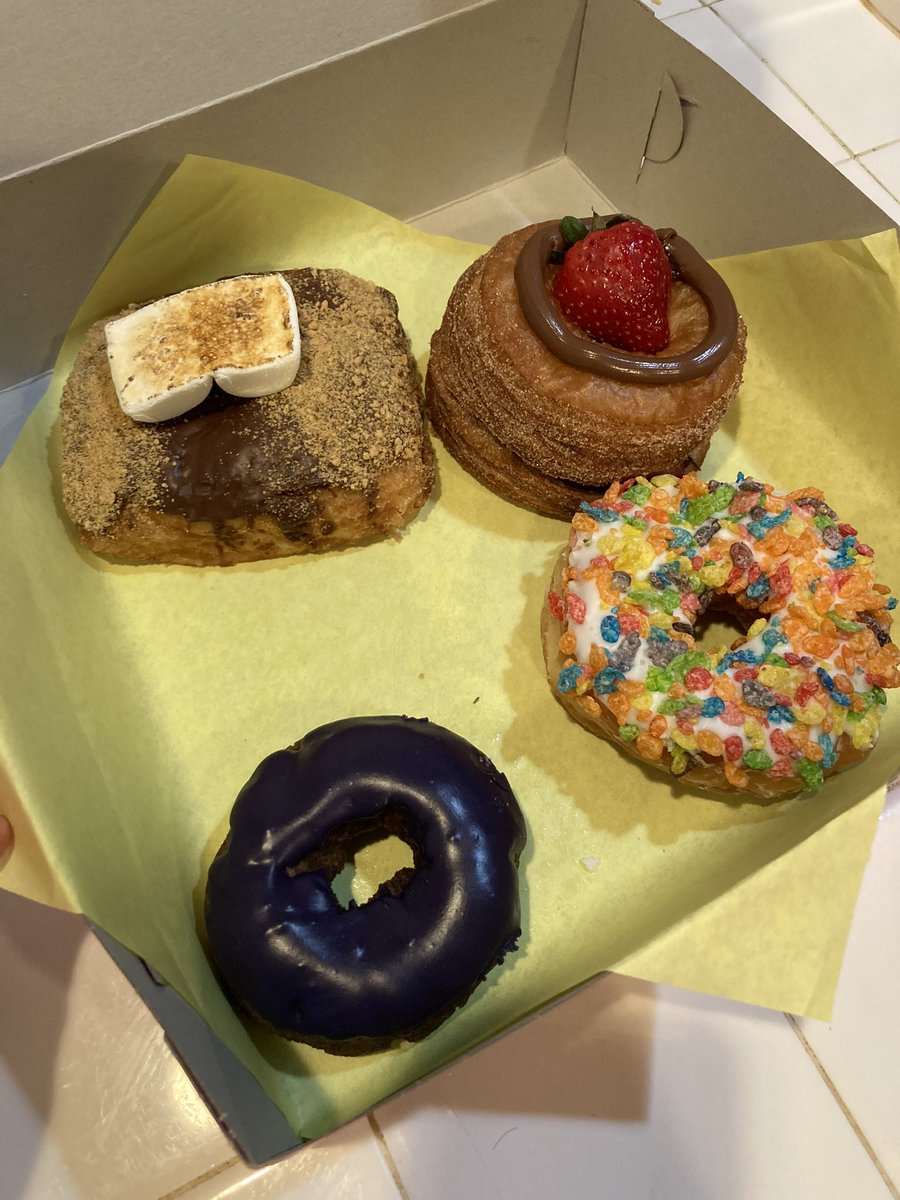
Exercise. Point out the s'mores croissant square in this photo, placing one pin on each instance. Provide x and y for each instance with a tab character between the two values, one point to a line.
251	418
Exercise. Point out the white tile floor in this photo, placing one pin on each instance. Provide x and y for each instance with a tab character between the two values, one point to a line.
626	1090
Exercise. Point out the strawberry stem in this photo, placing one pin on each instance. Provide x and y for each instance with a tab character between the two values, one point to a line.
573	229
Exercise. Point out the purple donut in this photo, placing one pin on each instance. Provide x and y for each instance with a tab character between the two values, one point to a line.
352	980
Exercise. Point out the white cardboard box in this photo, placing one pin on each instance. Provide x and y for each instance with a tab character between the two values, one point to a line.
471	124
430	116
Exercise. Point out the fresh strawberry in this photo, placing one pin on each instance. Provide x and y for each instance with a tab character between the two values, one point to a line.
614	284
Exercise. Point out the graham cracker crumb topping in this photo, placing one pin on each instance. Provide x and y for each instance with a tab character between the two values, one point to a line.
353	412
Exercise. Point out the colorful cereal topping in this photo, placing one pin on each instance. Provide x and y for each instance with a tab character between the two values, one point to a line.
649	557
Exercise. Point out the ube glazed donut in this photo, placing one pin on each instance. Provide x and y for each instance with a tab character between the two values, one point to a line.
356	980
796	700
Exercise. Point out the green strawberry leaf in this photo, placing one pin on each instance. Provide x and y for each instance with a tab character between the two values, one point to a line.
572	230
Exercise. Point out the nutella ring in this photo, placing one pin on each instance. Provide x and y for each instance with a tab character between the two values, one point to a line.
355	980
544	316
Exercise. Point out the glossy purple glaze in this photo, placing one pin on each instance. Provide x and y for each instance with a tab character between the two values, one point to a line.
311	969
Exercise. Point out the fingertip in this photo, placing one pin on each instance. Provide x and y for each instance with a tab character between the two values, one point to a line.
6	835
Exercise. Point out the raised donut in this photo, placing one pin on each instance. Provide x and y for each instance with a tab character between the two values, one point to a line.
356	980
796	700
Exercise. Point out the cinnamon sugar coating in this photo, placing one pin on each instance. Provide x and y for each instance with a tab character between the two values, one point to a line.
572	428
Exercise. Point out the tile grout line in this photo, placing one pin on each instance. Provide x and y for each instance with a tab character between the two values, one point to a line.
870	7
714	9
388	1157
881	146
854	155
184	1188
880	182
842	1105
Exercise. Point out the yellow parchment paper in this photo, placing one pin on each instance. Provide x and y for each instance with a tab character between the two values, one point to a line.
137	701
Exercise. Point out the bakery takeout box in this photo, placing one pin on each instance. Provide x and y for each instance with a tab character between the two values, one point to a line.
469	126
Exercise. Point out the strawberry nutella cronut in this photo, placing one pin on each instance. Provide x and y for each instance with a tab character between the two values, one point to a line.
797	699
570	356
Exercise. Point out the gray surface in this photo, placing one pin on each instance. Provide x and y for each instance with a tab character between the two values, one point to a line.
74	74
16	404
404	125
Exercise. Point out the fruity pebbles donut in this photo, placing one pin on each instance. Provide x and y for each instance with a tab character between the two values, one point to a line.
796	700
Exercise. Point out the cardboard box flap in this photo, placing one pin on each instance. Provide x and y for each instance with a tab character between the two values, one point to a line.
740	180
405	125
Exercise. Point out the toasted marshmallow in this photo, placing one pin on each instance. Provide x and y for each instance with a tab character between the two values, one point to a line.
242	332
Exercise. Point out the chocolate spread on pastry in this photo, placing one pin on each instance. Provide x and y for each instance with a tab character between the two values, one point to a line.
350	421
227	459
220	463
579	350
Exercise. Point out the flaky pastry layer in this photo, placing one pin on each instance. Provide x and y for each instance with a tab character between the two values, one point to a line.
536	417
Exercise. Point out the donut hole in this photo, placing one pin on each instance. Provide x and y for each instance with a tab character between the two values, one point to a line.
722	624
363	859
380	863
